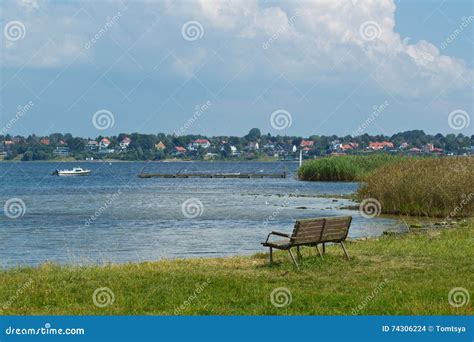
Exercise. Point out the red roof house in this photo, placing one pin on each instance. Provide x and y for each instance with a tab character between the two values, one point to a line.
307	143
378	145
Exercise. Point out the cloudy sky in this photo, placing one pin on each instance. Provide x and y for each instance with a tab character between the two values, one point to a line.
223	67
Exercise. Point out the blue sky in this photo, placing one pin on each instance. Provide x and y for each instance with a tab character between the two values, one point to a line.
323	67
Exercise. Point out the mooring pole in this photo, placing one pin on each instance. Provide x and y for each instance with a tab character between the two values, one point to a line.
301	157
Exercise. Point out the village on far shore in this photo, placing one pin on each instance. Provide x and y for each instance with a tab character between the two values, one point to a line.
253	146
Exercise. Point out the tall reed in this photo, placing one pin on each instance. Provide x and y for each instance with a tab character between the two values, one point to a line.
441	187
344	168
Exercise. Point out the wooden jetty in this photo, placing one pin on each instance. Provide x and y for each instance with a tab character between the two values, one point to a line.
212	175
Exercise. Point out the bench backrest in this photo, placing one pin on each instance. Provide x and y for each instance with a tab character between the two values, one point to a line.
321	229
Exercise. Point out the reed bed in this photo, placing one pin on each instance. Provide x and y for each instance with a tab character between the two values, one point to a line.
344	168
437	187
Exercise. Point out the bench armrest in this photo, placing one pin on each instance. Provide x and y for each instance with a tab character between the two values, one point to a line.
279	234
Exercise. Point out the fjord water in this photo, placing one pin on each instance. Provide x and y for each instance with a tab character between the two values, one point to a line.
114	216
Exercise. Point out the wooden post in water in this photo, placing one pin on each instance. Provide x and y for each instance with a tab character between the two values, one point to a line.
301	157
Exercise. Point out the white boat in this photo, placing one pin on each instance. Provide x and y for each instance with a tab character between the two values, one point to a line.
76	171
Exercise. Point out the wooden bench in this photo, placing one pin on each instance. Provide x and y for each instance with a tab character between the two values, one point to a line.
311	232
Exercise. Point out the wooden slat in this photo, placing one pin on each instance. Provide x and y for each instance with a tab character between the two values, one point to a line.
317	230
307	224
336	229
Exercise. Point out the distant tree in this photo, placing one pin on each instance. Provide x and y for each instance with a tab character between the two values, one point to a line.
27	156
254	134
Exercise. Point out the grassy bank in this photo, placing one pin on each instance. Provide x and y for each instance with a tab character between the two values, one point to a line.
344	168
442	187
403	274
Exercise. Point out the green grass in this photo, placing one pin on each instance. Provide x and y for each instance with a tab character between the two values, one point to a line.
441	187
411	273
344	168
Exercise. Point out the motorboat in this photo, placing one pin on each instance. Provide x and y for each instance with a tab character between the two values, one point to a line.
76	171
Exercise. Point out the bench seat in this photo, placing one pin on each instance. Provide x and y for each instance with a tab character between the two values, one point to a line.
311	232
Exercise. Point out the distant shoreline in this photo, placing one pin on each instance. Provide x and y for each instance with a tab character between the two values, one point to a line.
146	161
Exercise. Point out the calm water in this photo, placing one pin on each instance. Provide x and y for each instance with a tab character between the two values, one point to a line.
114	216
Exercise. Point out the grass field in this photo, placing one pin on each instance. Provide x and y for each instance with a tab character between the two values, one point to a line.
344	168
395	274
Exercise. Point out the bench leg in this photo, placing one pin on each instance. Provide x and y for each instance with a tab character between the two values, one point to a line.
293	258
345	251
298	253
324	248
271	255
319	252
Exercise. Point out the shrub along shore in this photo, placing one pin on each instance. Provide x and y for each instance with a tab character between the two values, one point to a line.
425	186
396	274
344	168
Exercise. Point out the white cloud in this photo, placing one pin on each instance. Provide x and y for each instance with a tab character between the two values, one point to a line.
309	40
